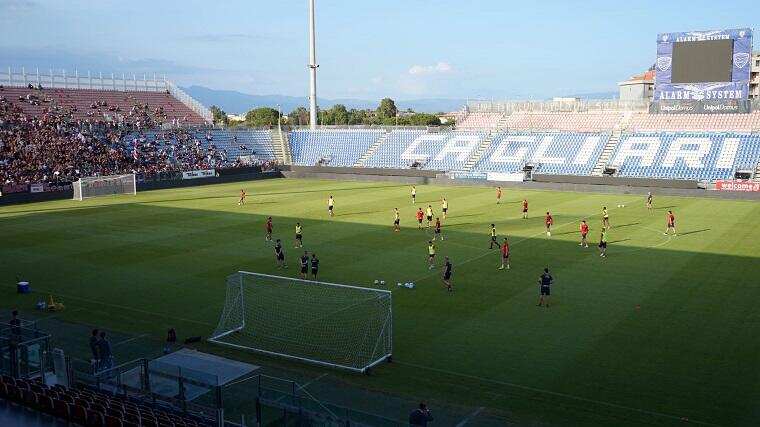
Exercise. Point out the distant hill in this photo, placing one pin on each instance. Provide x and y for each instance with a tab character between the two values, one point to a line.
234	102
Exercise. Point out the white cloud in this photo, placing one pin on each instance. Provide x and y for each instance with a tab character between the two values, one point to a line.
439	68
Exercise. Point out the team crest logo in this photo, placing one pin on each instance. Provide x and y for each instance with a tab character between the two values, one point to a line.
741	59
664	38
742	33
664	62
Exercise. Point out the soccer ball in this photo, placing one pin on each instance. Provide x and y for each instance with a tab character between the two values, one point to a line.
382	282
377	281
399	284
622	206
410	285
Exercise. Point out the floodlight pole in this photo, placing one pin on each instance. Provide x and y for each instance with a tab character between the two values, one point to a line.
312	69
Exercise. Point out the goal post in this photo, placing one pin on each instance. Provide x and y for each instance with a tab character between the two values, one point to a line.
95	186
327	324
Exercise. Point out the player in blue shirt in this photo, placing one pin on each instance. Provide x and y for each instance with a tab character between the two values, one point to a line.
545	280
447	275
314	266
279	254
305	265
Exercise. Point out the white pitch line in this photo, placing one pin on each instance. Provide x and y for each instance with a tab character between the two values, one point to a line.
310	382
556	393
470	417
122	307
128	340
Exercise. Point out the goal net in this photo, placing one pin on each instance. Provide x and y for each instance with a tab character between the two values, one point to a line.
323	323
94	186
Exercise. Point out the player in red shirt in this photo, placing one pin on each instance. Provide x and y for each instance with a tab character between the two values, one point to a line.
420	214
549	222
269	229
584	233
498	195
504	255
671	224
525	209
437	229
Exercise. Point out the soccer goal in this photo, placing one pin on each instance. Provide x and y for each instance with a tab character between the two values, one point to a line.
327	324
95	186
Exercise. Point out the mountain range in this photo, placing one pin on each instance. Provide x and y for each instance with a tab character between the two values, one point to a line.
234	102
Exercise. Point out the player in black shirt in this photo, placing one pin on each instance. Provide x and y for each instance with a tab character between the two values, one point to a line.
447	274
305	265
314	266
280	254
545	280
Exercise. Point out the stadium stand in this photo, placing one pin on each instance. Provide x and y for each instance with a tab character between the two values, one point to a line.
479	120
591	121
743	123
154	107
550	153
428	150
334	147
91	408
700	156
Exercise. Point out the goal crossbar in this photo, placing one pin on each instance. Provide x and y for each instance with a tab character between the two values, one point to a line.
322	323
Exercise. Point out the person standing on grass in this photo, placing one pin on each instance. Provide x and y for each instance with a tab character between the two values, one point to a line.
504	255
671	224
498	195
420	416
603	243
269	229
299	235
447	274
396	220
420	215
437	229
104	351
414	194
314	266
242	198
584	233
305	265
605	218
444	206
280	254
549	222
649	200
429	213
330	205
545	281
493	237
431	254
94	348
525	209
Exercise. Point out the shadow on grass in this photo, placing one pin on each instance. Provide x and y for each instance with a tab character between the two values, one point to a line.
694	232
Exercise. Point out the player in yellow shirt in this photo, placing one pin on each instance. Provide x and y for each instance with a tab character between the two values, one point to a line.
444	206
429	214
431	254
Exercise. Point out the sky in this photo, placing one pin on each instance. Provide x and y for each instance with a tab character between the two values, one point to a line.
403	49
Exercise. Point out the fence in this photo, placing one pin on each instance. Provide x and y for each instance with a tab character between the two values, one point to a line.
570	105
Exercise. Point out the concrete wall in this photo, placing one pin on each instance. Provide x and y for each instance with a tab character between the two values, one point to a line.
18	198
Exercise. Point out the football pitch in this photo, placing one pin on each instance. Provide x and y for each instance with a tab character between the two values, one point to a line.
662	328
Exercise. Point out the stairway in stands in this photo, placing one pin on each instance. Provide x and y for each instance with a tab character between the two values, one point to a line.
611	144
479	152
502	123
281	147
360	163
757	173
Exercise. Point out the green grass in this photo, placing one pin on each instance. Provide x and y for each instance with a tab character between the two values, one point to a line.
662	328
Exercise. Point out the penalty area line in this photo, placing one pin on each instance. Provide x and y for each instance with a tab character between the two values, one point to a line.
556	393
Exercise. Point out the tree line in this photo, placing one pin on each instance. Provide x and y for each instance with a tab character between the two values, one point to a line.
386	114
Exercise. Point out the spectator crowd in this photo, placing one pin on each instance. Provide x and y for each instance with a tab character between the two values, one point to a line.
56	146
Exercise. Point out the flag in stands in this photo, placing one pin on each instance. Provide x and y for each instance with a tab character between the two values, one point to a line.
134	150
